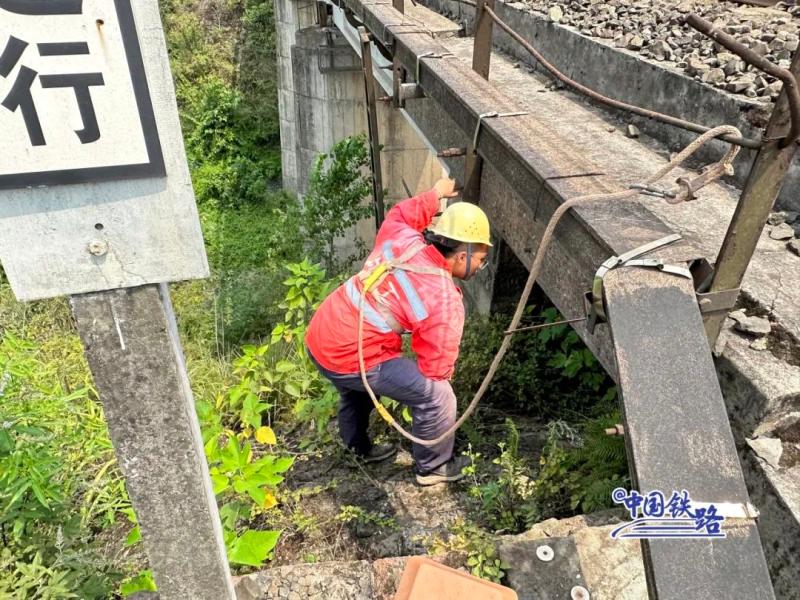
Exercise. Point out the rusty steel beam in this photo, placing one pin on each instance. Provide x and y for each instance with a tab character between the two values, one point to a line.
758	196
678	436
482	48
372	126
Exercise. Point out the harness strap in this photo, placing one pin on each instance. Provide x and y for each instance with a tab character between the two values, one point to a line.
380	315
370	314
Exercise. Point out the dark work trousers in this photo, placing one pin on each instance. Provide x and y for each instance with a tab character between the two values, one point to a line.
432	404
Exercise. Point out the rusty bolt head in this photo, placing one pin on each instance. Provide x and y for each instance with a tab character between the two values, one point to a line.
98	247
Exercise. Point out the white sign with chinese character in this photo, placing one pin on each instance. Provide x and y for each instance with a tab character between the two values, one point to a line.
75	102
94	188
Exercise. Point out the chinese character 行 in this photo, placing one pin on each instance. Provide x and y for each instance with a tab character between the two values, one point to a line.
20	96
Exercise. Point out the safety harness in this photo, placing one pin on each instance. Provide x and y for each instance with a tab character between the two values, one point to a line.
380	315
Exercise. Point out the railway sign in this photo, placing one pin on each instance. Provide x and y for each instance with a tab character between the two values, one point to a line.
94	188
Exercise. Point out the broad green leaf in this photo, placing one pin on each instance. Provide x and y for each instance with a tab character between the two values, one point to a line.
252	547
284	366
292	389
143	582
134	536
221	483
6	443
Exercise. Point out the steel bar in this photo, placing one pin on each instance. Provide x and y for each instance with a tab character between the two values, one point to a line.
451	152
678	436
372	126
758	196
544	325
482	48
637	110
751	58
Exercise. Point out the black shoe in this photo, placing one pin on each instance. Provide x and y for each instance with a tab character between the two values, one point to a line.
449	471
379	452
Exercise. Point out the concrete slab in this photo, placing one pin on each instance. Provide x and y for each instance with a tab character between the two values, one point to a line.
438	25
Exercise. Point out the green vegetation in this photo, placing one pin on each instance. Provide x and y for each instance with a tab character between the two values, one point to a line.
534	372
552	376
477	546
335	200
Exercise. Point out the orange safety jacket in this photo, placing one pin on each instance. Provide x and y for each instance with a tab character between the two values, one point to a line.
418	297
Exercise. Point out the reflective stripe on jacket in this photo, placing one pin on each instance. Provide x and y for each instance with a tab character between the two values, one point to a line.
428	306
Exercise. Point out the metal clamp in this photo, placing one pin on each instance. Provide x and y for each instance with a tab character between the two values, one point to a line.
429	55
593	300
652	190
490	115
718	301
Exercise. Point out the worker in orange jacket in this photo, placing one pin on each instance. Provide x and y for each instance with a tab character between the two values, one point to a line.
421	299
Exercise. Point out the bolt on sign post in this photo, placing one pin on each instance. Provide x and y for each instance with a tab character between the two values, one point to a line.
96	203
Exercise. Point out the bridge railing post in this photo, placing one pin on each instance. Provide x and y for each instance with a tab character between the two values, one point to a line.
758	196
481	61
372	125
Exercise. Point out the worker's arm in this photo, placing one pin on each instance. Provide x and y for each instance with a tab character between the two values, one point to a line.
435	340
417	212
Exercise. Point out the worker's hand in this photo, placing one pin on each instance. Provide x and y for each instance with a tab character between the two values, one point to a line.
445	188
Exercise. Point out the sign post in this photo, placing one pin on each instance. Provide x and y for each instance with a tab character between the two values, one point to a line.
96	203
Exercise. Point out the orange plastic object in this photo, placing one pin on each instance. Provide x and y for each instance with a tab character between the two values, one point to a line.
425	579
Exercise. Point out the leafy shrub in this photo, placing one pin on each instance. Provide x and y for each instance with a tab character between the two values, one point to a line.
335	200
504	501
581	474
277	378
548	372
227	166
478	547
578	469
59	483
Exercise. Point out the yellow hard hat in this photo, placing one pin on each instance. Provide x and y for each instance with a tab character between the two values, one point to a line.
464	222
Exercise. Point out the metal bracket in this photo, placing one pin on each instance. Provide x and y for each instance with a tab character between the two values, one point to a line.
720	301
409	91
652	190
429	55
490	115
593	300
